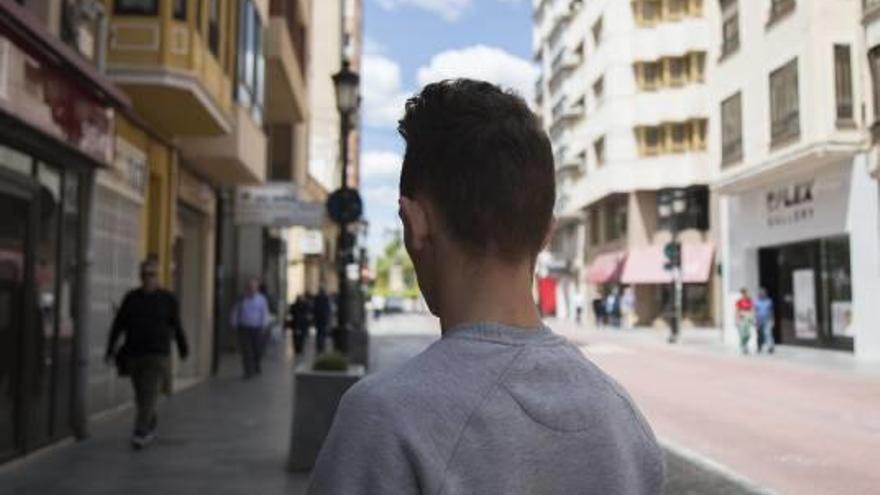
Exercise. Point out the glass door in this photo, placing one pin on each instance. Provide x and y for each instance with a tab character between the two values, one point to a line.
15	211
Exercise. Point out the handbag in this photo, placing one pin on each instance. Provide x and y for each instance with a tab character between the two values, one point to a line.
123	364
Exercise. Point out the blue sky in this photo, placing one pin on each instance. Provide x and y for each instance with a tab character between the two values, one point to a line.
409	43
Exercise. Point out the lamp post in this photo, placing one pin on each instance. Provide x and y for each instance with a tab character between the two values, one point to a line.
344	205
671	206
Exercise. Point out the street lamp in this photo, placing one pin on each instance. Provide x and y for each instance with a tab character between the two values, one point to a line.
344	205
671	206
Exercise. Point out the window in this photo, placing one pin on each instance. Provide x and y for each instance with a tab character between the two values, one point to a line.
616	217
599	150
678	69
874	60
731	130
843	85
597	32
679	137
180	10
778	10
653	140
595	228
670	71
676	9
784	105
673	137
696	212
214	26
251	60
729	27
136	7
650	12
599	89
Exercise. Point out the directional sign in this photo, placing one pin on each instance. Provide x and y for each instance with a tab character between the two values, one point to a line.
275	204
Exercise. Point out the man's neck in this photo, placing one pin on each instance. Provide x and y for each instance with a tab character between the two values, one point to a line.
498	294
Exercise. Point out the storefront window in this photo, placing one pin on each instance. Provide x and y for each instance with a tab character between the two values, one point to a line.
136	7
15	161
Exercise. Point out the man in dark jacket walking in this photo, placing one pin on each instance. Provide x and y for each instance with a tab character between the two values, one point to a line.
322	312
149	317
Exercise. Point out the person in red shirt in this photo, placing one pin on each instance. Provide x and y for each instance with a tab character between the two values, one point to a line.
745	318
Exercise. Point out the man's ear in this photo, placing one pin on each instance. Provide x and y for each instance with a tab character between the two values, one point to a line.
415	223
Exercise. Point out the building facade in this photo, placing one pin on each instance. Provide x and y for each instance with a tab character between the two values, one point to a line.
313	260
57	120
623	96
797	204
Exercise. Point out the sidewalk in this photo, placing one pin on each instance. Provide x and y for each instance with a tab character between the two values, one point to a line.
224	436
799	421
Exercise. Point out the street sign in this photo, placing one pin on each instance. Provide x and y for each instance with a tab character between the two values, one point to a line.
311	242
275	204
345	205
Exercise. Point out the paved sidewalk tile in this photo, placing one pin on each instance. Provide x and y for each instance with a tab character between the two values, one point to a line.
225	436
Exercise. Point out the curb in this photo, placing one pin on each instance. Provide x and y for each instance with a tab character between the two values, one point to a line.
728	474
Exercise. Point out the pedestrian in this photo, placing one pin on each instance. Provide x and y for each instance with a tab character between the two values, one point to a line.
764	320
745	315
628	307
612	308
250	317
321	311
500	403
599	311
149	318
299	320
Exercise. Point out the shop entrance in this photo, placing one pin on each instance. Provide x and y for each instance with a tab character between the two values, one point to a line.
811	287
39	246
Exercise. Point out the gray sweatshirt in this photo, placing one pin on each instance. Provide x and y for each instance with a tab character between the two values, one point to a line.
490	409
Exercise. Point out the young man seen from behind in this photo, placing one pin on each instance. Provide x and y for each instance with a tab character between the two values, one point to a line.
500	404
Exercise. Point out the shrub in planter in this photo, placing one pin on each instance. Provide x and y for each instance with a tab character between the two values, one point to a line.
330	361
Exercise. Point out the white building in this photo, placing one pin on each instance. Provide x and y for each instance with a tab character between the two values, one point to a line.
623	96
797	205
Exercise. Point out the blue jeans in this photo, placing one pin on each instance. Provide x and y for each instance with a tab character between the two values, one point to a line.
766	330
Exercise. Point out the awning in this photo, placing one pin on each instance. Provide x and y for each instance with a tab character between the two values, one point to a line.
645	265
606	268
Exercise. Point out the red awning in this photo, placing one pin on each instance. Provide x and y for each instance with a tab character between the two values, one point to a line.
645	265
606	268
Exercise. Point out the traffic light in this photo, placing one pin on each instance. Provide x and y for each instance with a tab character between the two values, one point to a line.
672	251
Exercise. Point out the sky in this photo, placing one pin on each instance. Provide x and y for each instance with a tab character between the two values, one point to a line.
409	43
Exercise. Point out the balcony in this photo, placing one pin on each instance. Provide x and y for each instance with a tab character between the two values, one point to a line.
238	157
175	74
285	81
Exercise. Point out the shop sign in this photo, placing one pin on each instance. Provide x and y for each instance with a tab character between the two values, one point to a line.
312	243
789	204
805	321
277	205
54	102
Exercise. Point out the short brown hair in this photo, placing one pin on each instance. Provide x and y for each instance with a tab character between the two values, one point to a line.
481	157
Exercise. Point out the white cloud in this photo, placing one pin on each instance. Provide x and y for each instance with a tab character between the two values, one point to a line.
383	97
373	46
381	165
381	198
482	62
449	10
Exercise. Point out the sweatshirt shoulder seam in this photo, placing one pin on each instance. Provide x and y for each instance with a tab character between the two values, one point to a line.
460	436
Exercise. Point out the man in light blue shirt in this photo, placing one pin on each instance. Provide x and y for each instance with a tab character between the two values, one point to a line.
764	319
250	318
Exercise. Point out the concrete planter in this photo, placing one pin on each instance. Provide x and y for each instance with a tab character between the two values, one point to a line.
316	396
